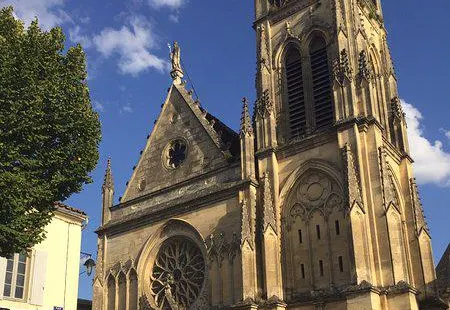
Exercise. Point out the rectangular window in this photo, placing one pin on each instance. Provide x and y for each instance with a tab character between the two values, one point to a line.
300	236
15	277
302	267
341	264
321	268
338	228
318	231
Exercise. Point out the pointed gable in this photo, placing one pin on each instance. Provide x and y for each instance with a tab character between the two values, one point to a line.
186	141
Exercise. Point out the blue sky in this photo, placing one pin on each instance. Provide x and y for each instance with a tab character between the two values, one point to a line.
126	45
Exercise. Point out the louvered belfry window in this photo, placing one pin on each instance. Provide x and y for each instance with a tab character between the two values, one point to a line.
323	102
295	92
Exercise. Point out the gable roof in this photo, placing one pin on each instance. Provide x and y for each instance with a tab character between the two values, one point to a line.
225	137
206	132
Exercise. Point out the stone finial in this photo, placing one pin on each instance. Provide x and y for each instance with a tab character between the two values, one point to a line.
365	71
177	72
108	181
263	105
396	108
342	70
246	121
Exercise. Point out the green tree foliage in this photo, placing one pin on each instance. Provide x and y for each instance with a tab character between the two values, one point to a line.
49	133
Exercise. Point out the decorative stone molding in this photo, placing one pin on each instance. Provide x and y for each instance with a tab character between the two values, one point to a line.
263	49
353	186
268	204
246	122
219	249
419	216
365	73
314	191
390	195
246	231
396	109
178	276
263	105
342	70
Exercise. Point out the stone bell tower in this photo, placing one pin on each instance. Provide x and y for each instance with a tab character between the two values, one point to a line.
338	203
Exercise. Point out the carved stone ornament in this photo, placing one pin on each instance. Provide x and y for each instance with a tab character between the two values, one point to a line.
365	72
342	71
421	222
264	105
246	121
174	154
397	109
269	207
175	55
389	192
220	250
246	231
178	275
315	191
353	186
263	49
279	3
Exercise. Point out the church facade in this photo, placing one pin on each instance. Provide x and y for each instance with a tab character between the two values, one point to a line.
312	205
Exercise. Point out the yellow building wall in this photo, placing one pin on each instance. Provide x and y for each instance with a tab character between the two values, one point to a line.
62	248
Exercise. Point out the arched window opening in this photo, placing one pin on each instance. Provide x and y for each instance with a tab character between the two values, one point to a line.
133	290
122	291
111	299
295	92
320	72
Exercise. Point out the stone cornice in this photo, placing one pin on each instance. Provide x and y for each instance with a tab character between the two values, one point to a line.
174	207
178	185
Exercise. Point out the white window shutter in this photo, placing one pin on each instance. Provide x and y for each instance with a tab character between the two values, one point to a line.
38	278
3	262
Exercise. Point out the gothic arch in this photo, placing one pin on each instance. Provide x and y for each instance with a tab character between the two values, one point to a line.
318	164
316	31
110	292
398	190
176	233
315	230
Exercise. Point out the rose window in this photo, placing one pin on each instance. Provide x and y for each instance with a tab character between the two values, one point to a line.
178	274
175	154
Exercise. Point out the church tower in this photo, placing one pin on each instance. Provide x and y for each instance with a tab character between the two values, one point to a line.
312	205
332	154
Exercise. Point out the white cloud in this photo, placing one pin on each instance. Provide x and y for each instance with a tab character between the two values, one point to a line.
445	132
49	12
133	44
173	4
432	162
98	106
127	108
76	37
174	18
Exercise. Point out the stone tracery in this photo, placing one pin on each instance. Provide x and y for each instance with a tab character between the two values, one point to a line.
178	274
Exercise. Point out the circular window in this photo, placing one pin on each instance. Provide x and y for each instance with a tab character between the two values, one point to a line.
175	154
178	274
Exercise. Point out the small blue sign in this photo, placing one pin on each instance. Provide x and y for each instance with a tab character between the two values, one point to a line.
58	308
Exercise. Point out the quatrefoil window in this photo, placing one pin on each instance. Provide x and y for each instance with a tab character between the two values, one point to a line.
175	154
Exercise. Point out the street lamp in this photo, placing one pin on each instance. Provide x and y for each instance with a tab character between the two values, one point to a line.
89	264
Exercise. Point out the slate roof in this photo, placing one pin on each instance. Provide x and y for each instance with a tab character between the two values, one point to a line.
443	271
226	134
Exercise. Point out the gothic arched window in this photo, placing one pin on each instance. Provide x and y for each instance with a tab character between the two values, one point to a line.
295	92
321	83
